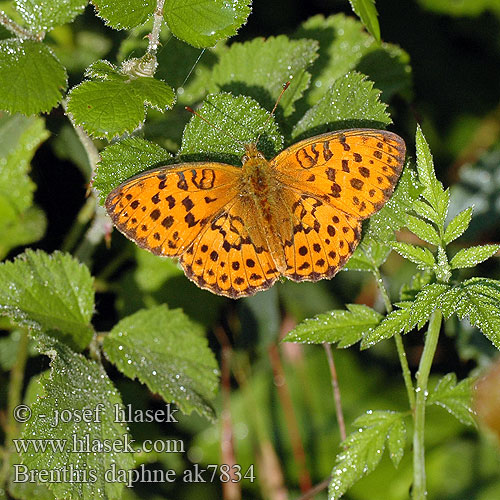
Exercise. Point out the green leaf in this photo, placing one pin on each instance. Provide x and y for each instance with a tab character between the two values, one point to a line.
364	448
367	12
424	230
76	384
123	159
202	23
350	102
345	46
479	300
369	256
49	292
27	227
409	291
433	191
395	322
32	79
394	213
266	70
117	104
124	14
426	302
344	327
20	222
242	117
166	351
470	257
455	398
418	255
43	15
457	226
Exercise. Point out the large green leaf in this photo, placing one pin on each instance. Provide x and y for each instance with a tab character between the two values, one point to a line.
236	121
49	292
43	15
203	23
77	385
269	64
124	14
116	102
166	351
32	79
350	102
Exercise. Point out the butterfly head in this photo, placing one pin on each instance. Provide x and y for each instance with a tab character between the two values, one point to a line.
252	153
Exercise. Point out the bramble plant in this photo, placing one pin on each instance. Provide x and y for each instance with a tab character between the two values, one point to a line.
108	314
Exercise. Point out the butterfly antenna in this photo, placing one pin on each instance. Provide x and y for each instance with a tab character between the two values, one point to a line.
191	110
285	86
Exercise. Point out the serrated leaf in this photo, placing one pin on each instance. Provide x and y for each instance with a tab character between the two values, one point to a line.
433	191
350	102
470	257
367	12
123	159
369	255
454	398
479	300
43	15
76	384
242	117
457	226
394	213
202	23
339	326
363	449
124	14
418	255
345	46
269	64
32	79
165	350
49	292
426	302
117	104
424	230
395	322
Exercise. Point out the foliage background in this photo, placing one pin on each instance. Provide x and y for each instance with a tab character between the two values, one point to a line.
454	52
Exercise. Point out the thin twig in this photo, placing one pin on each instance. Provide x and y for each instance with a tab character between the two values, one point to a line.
403	360
316	489
336	391
154	36
15	28
293	427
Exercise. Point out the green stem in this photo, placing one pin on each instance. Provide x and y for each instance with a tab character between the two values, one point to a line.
15	28
13	399
399	341
419	487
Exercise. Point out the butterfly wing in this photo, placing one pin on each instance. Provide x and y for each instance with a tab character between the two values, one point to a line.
163	210
354	170
229	257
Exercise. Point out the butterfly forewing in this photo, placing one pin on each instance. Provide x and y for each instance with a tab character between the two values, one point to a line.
164	210
354	170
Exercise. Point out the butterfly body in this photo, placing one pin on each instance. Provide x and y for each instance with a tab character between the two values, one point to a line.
237	230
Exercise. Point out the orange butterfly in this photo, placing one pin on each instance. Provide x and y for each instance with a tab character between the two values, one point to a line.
237	230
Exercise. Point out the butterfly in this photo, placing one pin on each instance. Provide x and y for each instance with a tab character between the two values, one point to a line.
236	230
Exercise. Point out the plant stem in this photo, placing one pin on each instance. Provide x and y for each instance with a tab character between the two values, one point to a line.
154	36
419	483
15	28
13	399
399	341
336	391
